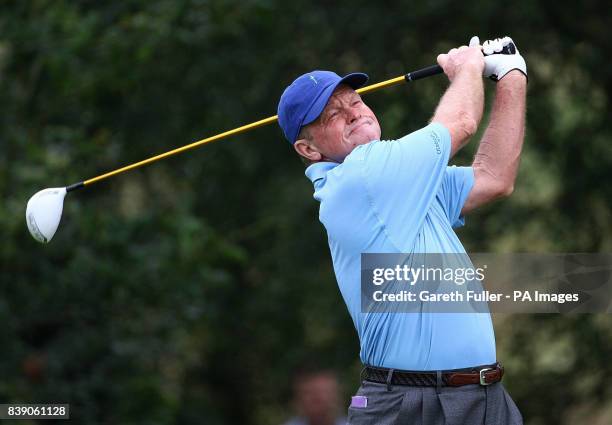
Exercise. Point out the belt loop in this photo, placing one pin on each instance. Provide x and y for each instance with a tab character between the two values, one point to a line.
362	373
389	377
438	381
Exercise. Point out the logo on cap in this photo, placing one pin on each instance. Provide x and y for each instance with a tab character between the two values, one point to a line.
314	79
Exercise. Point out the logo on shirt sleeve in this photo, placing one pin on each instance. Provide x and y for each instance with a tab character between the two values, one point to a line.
436	140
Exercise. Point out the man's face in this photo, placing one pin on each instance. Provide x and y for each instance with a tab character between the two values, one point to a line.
345	123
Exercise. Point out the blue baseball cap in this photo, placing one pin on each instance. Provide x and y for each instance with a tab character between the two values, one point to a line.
304	100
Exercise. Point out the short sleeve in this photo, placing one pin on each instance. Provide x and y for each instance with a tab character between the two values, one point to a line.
455	189
403	177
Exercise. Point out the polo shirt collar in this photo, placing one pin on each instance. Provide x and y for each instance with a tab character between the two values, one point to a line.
319	170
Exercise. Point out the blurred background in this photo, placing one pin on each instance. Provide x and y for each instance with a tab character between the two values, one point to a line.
194	291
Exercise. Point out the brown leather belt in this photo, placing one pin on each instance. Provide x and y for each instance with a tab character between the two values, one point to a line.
483	375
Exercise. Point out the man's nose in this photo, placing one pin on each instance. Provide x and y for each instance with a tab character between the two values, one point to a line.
353	114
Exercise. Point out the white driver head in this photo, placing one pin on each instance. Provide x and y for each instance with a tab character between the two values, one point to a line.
44	212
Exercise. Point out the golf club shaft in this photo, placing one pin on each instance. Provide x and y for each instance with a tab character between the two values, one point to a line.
411	76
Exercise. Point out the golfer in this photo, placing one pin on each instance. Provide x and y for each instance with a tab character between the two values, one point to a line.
401	196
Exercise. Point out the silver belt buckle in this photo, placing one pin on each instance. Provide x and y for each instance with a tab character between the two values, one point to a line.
481	374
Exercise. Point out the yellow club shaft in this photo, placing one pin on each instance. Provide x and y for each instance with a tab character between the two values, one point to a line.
382	84
219	136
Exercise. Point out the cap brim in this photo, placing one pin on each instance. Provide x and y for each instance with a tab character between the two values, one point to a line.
354	80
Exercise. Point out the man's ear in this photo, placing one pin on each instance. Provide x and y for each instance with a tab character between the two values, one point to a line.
307	150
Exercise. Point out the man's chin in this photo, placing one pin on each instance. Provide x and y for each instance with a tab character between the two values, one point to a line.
363	139
366	135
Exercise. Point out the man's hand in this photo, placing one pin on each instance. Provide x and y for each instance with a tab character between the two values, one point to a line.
461	59
501	57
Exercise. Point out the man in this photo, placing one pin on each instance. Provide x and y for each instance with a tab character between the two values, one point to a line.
316	398
401	196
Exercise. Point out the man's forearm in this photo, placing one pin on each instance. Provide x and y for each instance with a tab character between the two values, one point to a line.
499	152
461	107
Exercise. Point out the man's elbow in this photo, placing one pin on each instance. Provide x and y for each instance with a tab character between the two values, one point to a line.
501	190
494	188
508	189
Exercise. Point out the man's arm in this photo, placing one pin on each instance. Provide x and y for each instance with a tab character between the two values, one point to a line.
497	159
460	109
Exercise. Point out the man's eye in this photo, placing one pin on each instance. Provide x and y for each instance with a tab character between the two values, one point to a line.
333	114
356	102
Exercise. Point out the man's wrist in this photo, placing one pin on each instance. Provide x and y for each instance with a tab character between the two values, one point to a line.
468	71
514	76
472	68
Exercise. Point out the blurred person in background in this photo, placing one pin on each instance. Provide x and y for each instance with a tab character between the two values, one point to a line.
316	398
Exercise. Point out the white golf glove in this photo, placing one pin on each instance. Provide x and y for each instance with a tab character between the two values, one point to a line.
501	57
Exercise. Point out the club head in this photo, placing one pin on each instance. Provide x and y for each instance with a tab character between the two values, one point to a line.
44	212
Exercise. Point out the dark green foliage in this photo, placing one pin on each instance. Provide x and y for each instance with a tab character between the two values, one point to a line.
188	291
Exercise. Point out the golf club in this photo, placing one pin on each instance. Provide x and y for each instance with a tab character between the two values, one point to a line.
44	209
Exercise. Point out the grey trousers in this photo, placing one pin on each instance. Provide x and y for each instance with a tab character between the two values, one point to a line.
376	404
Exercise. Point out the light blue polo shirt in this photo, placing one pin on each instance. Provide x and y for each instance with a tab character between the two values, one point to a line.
400	196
